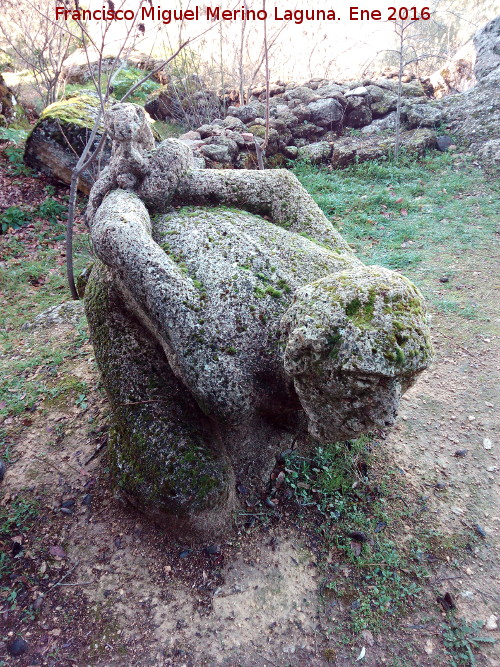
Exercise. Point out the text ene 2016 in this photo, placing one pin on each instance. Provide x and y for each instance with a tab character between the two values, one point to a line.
395	14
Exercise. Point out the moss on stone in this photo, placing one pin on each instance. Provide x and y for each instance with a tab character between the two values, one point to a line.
275	293
155	455
80	110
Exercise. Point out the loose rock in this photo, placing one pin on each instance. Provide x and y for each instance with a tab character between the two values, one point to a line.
17	647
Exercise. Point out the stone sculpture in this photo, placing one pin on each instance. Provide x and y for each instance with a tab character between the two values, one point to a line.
230	322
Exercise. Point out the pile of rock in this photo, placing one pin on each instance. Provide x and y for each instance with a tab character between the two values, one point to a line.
321	121
187	101
307	121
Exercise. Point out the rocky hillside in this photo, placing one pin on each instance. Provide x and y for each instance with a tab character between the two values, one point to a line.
474	116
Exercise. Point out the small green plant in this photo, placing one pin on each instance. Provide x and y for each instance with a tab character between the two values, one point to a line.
461	640
18	515
51	210
81	401
324	480
15	156
335	482
13	217
126	78
275	293
13	135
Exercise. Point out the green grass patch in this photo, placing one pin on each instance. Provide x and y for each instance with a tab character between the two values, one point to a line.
365	565
461	640
16	518
410	215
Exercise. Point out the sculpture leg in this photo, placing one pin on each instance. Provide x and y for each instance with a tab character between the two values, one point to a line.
165	456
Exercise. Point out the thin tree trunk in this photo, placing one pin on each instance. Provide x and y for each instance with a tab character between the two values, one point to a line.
240	63
400	90
261	150
82	164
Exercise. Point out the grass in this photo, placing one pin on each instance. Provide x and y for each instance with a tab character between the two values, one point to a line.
167	130
16	519
461	639
375	550
356	524
32	278
31	376
414	216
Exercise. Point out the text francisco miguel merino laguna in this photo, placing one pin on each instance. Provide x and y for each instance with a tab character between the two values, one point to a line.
167	16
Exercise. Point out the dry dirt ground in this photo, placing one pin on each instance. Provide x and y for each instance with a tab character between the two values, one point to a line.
130	599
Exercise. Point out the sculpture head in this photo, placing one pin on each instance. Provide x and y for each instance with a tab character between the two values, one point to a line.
127	124
354	343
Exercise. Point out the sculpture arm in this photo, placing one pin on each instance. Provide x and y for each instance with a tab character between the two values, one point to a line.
273	192
121	236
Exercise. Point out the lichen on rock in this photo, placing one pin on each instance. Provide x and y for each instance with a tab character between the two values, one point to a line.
229	320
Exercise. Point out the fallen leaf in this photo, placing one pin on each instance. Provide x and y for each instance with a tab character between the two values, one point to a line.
356	548
57	552
362	654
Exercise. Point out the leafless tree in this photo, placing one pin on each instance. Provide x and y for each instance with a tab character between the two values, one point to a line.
410	52
103	84
241	57
261	149
37	43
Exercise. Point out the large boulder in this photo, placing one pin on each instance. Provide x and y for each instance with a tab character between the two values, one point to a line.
381	124
474	115
307	131
383	101
423	115
302	93
490	155
164	104
358	113
285	115
247	112
188	101
230	320
60	135
326	112
315	153
220	149
487	45
456	75
352	150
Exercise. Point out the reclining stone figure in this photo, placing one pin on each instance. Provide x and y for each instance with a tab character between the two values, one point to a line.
231	322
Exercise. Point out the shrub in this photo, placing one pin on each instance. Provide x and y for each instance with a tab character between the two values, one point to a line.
126	78
13	217
51	210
